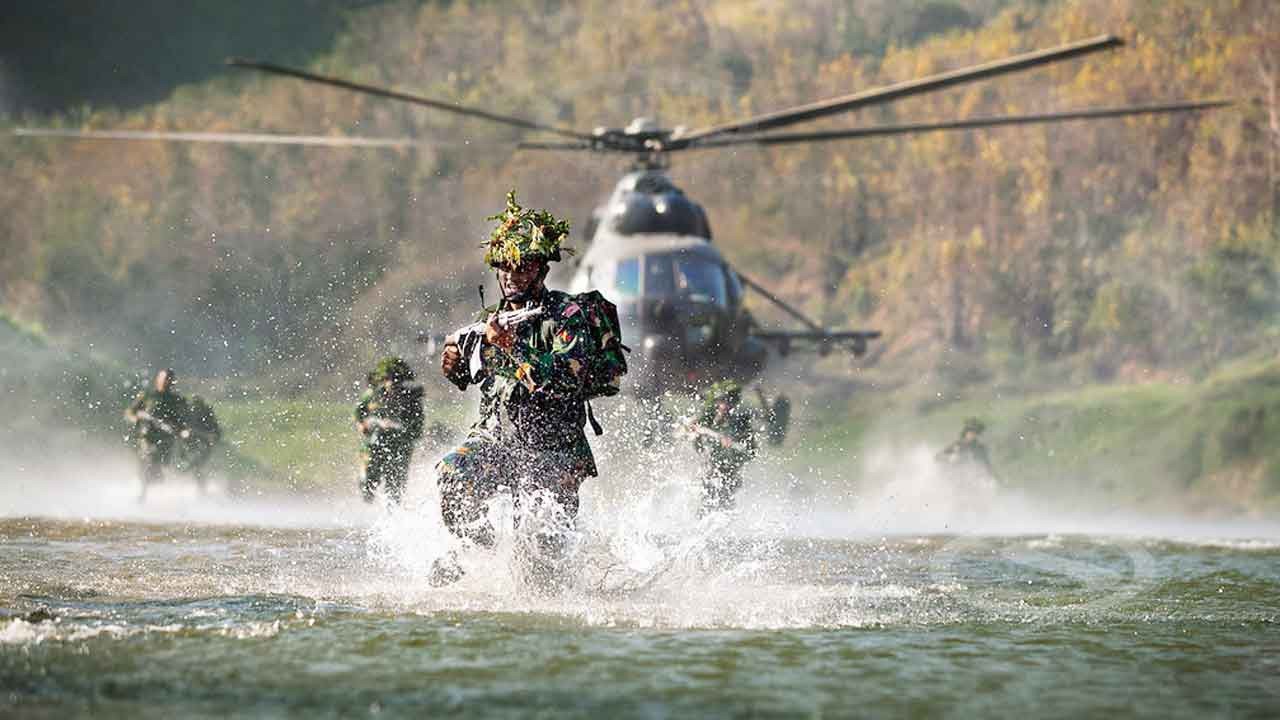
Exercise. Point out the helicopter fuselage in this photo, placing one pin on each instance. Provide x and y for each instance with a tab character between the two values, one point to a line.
679	302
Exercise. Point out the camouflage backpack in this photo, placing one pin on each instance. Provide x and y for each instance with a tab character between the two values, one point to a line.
609	363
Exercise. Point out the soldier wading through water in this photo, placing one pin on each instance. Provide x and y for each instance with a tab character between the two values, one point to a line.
535	376
159	419
725	432
968	457
389	418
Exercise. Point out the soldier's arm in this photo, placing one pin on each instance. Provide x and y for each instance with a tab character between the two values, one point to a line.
454	367
560	371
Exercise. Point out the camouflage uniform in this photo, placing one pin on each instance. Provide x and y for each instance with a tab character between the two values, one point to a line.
532	396
156	443
724	472
385	451
967	453
532	416
197	448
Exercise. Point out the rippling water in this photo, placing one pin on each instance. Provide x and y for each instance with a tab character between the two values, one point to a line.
269	609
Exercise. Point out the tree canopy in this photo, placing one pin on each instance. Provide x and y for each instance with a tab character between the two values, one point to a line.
1106	248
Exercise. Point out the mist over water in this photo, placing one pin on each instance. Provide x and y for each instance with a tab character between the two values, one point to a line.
824	587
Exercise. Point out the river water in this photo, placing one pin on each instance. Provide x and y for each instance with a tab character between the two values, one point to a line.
792	606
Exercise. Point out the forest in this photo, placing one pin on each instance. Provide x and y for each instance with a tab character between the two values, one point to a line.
1083	252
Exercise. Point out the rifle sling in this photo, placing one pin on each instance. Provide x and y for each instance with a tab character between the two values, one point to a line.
591	418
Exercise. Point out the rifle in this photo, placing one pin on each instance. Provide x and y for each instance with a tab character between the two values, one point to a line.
690	429
144	416
380	425
471	337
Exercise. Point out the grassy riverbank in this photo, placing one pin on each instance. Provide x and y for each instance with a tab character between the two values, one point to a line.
1200	446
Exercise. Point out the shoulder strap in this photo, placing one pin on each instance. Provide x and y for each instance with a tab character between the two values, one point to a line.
591	418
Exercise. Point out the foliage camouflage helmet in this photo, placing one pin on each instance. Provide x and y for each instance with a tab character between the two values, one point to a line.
973	425
394	369
524	235
727	390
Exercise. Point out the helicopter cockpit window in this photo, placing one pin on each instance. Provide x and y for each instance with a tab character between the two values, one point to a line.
684	275
626	278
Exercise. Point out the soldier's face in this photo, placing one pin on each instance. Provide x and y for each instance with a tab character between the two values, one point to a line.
163	381
970	436
519	281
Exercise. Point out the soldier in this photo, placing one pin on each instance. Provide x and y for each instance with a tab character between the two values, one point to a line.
534	379
389	418
726	433
204	434
158	416
968	454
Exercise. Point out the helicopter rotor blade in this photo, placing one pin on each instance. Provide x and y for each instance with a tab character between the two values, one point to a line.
561	146
889	93
404	97
969	124
234	138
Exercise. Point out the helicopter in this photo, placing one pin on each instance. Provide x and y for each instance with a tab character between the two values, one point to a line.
681	303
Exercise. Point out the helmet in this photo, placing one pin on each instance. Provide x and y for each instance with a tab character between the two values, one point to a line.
392	368
524	235
726	390
973	425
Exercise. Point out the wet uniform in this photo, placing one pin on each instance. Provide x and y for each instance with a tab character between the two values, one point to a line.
197	448
725	464
156	442
385	451
532	413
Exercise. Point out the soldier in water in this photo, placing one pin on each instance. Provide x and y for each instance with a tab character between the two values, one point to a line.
535	375
203	434
725	433
159	419
389	418
968	454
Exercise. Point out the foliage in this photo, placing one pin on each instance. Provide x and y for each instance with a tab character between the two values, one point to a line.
1121	246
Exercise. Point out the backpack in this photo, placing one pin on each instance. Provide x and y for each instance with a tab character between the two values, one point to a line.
608	363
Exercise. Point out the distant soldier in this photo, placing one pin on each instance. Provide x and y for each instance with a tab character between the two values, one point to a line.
159	419
204	433
389	418
535	375
968	454
725	432
777	416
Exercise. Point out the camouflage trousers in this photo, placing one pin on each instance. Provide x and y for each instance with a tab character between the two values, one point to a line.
722	482
154	452
482	467
387	466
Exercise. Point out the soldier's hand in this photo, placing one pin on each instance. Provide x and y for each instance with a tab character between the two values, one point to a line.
497	334
450	358
726	442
